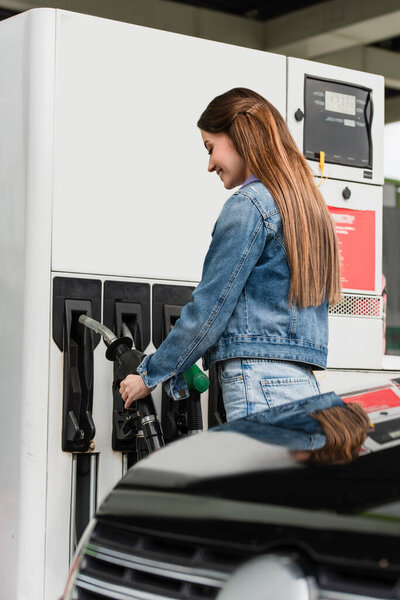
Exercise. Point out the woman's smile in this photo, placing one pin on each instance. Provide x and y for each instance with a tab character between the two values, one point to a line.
225	159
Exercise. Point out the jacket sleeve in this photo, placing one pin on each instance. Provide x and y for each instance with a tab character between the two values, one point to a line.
238	241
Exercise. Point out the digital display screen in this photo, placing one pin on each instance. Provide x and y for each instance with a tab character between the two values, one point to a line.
338	121
340	103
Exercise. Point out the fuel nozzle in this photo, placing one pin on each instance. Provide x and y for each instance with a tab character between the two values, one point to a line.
116	347
196	380
129	358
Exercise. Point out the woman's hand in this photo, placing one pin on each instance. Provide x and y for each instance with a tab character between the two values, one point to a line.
132	388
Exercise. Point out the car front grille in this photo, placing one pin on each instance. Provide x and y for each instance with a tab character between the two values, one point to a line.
124	565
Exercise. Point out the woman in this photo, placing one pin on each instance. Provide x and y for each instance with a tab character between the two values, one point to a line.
261	308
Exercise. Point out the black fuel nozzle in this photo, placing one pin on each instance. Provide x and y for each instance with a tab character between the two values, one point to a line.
128	359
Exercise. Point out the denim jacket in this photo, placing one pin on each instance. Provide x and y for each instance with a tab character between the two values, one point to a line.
288	424
241	306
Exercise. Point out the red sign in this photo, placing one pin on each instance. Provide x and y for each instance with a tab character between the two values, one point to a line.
355	230
374	400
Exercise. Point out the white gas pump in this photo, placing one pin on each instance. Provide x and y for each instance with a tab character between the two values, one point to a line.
105	195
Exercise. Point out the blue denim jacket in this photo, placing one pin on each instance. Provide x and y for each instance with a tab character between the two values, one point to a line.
240	307
287	425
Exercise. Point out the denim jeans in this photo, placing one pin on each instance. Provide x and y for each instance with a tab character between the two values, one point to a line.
251	385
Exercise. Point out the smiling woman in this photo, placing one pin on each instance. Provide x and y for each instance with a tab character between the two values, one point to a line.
225	159
261	307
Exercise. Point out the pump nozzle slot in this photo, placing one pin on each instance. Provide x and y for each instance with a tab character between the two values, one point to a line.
129	322
168	301
71	288
78	425
127	313
183	417
171	312
129	302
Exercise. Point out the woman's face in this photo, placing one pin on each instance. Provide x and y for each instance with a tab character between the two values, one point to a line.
224	159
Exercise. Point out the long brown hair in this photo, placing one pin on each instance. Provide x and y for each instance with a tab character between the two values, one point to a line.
262	139
345	428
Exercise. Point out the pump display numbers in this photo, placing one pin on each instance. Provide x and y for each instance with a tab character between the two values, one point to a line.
341	103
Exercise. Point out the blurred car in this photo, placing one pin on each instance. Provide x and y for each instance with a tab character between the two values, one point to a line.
223	515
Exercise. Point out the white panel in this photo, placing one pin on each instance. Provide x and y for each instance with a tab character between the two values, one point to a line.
350	381
12	273
297	69
363	197
26	119
355	343
132	192
391	362
40	40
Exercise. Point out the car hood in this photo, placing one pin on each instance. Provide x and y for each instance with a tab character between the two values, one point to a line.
234	489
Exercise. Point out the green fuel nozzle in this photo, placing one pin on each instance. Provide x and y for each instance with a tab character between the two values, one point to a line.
196	380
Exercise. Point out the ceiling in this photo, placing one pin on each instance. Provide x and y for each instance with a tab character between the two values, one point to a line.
254	9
